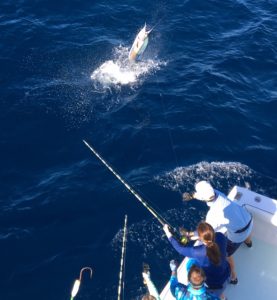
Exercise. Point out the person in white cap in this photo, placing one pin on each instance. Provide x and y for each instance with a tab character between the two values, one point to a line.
225	216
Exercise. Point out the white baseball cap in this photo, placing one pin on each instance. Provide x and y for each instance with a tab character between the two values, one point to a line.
204	191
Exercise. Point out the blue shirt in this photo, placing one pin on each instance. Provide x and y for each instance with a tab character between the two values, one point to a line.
187	292
216	274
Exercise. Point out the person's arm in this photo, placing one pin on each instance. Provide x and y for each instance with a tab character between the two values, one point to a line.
177	289
173	284
181	249
178	247
150	285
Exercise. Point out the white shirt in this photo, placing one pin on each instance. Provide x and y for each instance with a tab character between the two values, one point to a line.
227	216
150	285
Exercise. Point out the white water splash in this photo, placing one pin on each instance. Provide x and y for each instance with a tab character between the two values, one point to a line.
120	71
220	174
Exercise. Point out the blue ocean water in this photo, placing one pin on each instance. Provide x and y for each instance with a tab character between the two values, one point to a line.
200	104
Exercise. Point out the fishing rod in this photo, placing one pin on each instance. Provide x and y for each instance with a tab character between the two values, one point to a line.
183	239
122	261
161	220
77	282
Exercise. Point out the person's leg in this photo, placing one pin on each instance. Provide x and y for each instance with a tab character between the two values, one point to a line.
231	261
231	249
248	241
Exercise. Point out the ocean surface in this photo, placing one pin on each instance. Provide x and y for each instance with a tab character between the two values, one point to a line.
201	103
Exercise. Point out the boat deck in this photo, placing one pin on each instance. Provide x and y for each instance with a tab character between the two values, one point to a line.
256	269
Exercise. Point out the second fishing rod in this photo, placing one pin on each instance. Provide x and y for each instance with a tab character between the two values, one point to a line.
182	238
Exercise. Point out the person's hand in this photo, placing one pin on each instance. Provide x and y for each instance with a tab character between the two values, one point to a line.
167	231
183	231
146	275
173	265
187	196
191	234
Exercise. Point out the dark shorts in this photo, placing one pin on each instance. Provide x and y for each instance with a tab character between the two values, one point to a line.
232	247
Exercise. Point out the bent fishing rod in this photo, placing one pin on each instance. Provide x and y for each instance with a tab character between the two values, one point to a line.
161	220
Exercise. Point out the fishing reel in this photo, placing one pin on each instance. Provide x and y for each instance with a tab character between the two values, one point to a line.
184	237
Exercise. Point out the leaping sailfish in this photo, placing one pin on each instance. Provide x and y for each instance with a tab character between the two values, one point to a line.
140	43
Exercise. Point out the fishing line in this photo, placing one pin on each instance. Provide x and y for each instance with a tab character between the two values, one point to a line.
171	143
122	262
160	14
155	25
